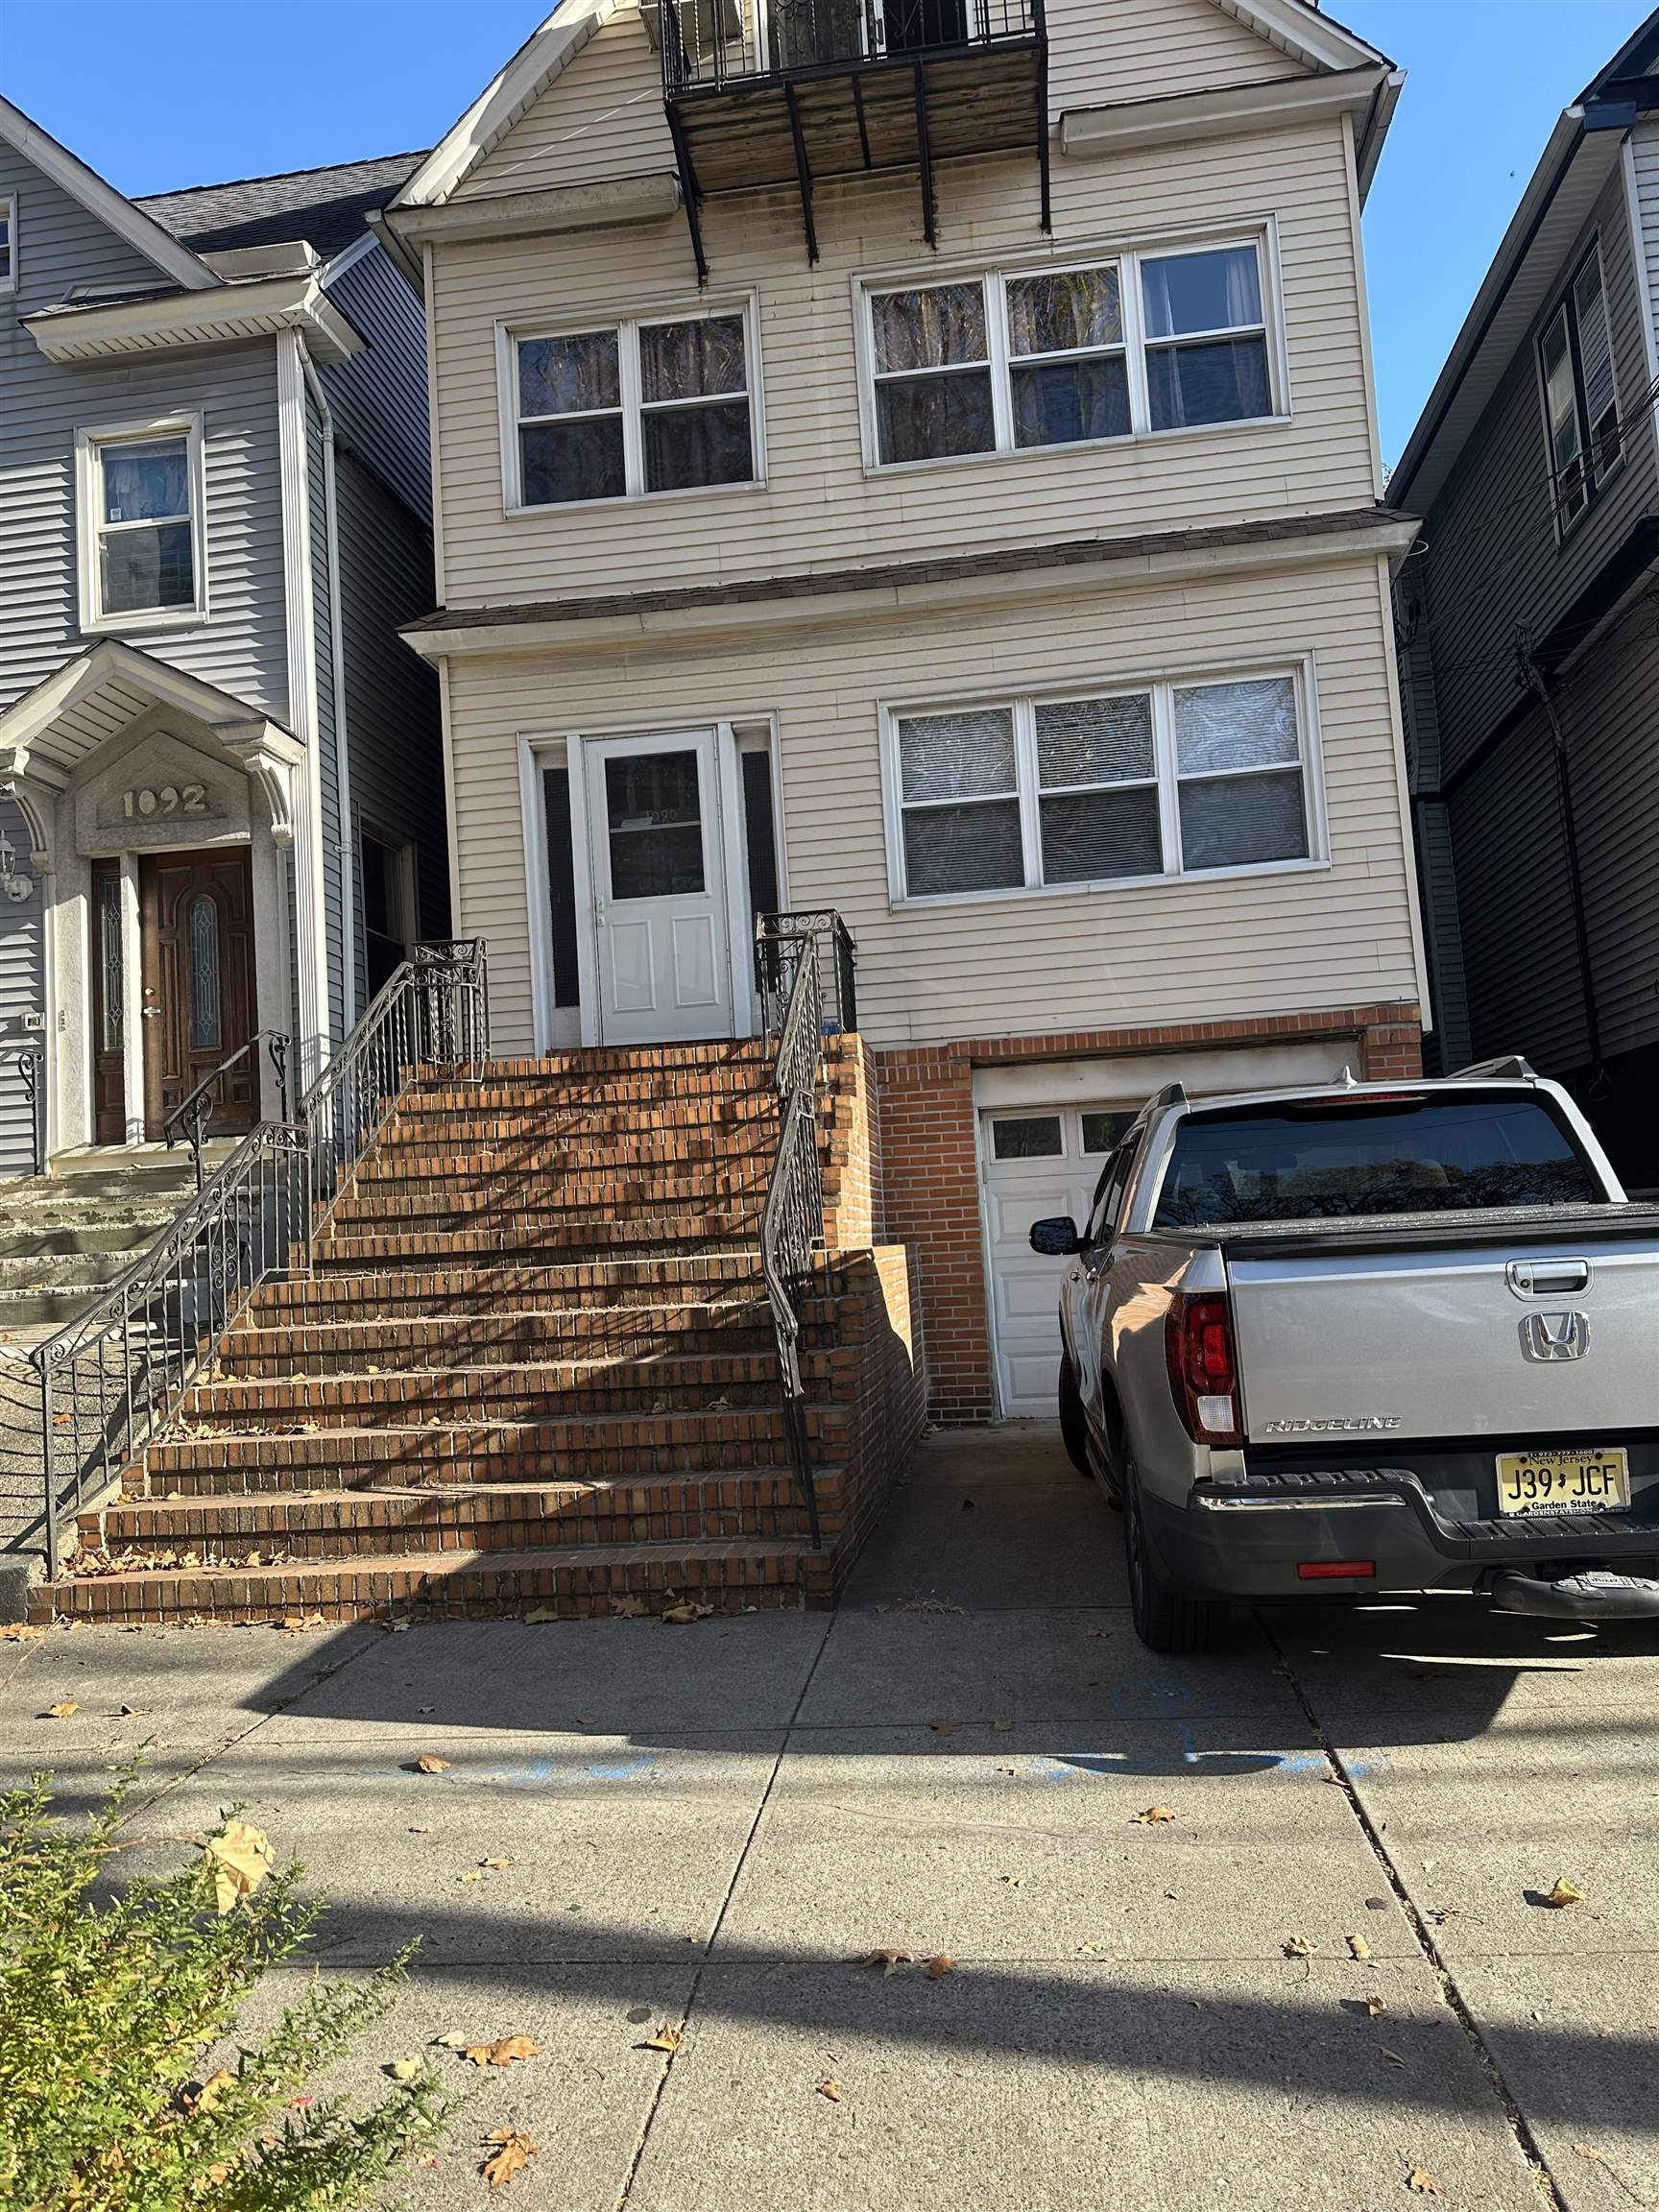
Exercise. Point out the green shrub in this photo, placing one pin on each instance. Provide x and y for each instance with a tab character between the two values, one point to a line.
112	1994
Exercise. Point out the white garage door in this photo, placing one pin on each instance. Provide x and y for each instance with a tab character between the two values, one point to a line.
1036	1162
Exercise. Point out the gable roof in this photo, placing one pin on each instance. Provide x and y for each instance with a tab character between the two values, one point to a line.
325	207
1298	29
1582	154
123	216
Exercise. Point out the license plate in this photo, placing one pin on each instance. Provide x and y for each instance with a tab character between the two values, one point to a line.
1563	1482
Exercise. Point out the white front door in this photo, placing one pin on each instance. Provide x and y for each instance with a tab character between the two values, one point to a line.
661	928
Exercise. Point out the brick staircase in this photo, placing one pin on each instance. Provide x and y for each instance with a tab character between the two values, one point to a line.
533	1368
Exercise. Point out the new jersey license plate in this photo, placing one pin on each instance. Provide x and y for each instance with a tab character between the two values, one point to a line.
1563	1482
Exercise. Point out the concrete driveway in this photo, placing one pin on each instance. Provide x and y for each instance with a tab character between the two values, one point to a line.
712	1826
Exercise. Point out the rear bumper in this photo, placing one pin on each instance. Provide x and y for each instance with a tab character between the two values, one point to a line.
1248	1535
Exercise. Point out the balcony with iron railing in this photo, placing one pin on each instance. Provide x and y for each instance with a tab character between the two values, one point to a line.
793	93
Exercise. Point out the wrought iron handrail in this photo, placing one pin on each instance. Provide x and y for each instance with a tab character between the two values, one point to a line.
792	951
719	43
191	1118
30	1061
112	1378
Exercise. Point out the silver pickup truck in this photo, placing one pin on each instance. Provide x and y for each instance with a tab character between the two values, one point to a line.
1367	1338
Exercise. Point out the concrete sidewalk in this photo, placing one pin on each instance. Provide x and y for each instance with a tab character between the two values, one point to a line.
713	1825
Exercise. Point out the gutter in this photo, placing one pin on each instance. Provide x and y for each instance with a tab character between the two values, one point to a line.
337	656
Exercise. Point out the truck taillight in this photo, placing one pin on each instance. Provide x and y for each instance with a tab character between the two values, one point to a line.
1203	1366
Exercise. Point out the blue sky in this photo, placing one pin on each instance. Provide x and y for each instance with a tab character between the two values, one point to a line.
193	91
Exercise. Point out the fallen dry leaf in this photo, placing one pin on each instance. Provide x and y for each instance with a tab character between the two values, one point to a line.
61	1710
1154	1817
1564	1893
945	1727
1299	1947
454	2040
667	2038
472	1874
685	1611
1010	1881
516	2152
20	1632
1594	2157
496	1864
1422	2183
1374	2006
1393	2058
540	1614
937	1968
1358	1946
627	1608
505	2050
300	1624
241	1857
429	1763
889	1961
831	2088
403	2069
213	2089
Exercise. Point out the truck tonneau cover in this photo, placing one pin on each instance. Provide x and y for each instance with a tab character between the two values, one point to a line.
1509	1225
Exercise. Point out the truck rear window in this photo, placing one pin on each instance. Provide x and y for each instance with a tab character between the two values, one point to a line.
1429	1155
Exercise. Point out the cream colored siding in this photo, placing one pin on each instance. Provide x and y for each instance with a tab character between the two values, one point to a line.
820	509
1147	49
600	118
1026	964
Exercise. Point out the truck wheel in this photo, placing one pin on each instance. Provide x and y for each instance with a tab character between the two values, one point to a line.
1073	1426
1163	1619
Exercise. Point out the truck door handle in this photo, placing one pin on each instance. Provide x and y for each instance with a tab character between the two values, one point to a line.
1548	1278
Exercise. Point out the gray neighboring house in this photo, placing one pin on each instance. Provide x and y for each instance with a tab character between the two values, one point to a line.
1527	620
221	770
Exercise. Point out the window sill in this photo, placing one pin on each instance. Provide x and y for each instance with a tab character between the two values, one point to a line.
1130	442
157	619
518	512
934	901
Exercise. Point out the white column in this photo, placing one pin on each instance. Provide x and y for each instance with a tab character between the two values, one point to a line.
310	917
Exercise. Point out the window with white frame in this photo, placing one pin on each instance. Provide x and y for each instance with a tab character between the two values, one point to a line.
1100	787
1016	359
7	242
1580	396
141	522
625	409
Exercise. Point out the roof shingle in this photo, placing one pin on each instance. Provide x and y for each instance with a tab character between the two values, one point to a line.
325	207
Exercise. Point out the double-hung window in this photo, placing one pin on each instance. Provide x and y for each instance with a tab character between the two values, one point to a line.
141	534
7	242
1581	397
1105	785
625	409
1121	347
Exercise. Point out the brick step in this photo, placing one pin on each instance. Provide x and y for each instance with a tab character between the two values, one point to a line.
519	1199
542	1096
591	1581
471	1339
672	1279
569	1119
666	1150
413	1398
721	1231
564	1448
583	1060
222	1531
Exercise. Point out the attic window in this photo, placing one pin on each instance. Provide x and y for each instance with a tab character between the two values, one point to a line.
9	243
632	409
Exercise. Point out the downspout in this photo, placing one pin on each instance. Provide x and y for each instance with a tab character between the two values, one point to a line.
1570	836
337	654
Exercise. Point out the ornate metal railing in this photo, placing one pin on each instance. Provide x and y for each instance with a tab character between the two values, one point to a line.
193	1116
30	1062
717	42
118	1373
793	952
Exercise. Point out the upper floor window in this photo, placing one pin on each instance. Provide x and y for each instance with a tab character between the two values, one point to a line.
621	410
1093	787
1137	342
7	242
1581	397
141	524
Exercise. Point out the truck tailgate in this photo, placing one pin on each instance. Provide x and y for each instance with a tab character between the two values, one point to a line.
1527	1329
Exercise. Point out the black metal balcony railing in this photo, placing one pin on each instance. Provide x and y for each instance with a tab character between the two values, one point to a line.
734	42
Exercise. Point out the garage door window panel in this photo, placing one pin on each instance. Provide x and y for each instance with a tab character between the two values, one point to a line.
1028	1137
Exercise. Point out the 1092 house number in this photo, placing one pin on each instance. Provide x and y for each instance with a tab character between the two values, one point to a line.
170	799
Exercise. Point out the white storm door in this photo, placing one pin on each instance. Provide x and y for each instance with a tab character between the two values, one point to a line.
661	940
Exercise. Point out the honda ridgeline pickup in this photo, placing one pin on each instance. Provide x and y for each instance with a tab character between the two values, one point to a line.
1374	1336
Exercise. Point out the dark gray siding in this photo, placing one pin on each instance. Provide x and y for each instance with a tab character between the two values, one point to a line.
241	646
379	396
1492	558
390	695
22	989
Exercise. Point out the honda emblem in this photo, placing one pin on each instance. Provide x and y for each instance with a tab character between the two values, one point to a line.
1551	1336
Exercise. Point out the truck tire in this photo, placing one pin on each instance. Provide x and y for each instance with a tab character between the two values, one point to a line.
1164	1621
1073	1426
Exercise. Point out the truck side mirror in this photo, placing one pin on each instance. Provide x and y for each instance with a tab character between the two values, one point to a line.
1057	1238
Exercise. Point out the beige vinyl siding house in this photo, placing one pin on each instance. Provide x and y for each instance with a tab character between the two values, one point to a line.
1089	733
